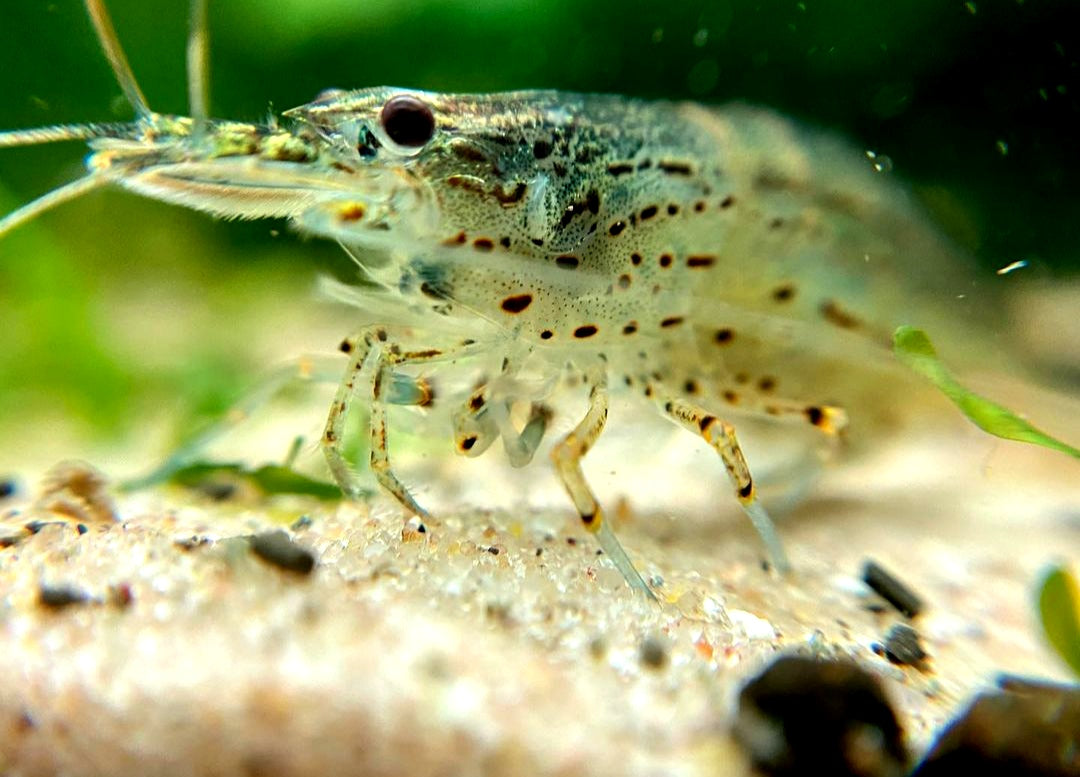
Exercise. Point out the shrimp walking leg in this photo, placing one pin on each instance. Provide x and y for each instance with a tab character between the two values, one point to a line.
370	374
721	436
567	455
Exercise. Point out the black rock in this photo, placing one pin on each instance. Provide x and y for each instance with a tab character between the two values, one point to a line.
903	646
807	716
891	589
276	548
57	597
1029	729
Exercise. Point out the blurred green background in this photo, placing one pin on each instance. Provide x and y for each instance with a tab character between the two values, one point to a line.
119	314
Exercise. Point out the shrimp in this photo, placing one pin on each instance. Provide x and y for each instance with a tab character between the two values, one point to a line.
718	262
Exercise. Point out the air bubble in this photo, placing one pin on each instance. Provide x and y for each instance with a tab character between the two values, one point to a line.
881	163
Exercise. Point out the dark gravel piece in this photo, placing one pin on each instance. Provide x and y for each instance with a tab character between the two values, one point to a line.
190	543
277	548
653	652
56	597
11	536
303	522
217	490
892	590
807	716
35	526
903	646
1031	729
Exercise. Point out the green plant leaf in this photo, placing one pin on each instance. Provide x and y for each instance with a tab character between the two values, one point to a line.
269	479
915	351
276	479
1059	611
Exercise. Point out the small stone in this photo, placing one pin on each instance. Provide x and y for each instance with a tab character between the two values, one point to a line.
1029	728
752	626
597	647
892	590
375	548
714	610
278	549
654	653
12	535
610	579
904	646
808	716
217	490
413	530
190	543
76	490
33	527
57	597
303	522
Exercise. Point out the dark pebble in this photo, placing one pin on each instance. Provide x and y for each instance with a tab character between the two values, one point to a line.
807	716
654	653
56	597
277	548
190	543
35	526
892	590
217	490
903	646
1031	729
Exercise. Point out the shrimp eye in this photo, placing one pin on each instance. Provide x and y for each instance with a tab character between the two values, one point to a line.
407	121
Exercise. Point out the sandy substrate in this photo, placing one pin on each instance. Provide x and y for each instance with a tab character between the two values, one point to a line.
500	642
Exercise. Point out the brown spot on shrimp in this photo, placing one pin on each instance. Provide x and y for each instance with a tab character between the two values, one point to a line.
837	316
517	303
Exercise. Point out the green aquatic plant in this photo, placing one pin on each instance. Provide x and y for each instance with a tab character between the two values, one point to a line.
269	479
1059	612
915	351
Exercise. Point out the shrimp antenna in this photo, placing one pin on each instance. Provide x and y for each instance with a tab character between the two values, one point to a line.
56	197
198	67
114	52
110	44
61	132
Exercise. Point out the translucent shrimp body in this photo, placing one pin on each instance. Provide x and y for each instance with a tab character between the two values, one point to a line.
718	262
